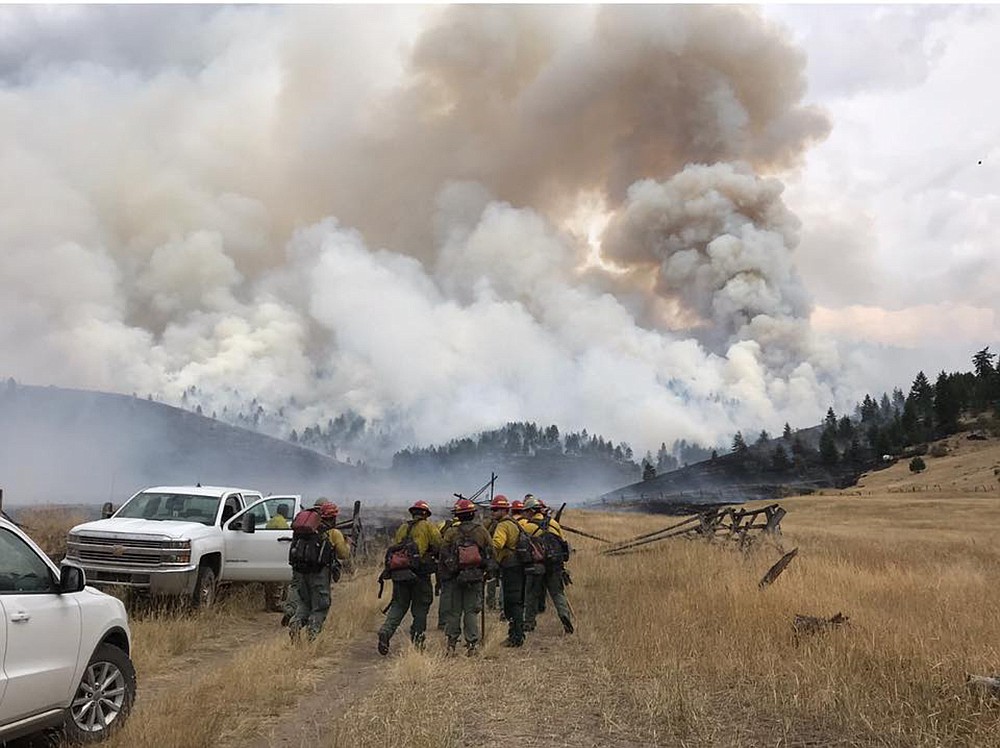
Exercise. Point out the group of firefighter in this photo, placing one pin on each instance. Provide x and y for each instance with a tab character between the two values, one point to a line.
521	548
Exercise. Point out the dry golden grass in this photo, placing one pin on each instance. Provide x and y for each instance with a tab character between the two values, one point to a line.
675	645
233	694
48	525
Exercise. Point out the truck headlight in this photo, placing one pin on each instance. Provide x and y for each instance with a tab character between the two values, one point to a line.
180	557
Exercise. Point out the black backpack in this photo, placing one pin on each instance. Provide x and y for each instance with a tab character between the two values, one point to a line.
528	551
554	548
310	550
402	559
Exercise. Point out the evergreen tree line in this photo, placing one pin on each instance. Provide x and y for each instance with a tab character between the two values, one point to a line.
890	424
515	439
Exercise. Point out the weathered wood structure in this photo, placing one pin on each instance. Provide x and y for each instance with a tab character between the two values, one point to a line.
742	526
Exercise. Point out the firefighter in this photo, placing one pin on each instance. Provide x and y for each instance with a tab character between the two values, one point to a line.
442	587
466	553
411	588
511	574
552	580
276	593
499	508
311	587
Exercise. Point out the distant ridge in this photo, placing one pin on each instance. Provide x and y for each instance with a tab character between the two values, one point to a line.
76	446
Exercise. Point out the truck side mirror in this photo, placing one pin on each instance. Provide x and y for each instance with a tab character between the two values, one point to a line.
71	579
107	509
247	523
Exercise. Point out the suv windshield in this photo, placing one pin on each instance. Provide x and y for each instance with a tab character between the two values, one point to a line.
172	506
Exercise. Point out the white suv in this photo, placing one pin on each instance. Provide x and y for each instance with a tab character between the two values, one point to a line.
64	647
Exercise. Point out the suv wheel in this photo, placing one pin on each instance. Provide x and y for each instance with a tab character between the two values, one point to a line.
104	696
204	588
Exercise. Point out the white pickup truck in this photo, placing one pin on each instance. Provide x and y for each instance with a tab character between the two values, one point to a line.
64	648
185	541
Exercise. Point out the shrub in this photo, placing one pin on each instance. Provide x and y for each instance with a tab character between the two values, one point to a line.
917	465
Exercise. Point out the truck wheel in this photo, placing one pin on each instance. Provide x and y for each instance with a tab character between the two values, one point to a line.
103	698
204	588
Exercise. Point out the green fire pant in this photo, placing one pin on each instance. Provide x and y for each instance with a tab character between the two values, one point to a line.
512	582
535	588
491	593
416	597
310	594
445	602
466	605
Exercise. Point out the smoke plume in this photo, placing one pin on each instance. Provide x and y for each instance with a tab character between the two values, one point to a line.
401	212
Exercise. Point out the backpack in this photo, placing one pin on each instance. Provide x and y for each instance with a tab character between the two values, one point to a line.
556	549
310	550
528	551
402	560
464	558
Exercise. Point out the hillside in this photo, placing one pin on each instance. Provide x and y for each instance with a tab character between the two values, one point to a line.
70	446
735	478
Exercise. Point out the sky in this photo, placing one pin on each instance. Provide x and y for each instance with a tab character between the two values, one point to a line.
653	222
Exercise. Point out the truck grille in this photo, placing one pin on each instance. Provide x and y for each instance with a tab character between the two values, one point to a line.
117	552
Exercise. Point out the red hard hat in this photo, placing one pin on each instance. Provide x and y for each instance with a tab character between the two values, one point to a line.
463	506
517	506
328	510
499	502
420	506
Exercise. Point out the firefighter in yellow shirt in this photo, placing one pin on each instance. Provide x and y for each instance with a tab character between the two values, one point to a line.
311	587
511	571
443	587
411	588
548	532
466	553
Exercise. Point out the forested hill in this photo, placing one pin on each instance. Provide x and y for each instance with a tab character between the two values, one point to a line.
73	446
536	459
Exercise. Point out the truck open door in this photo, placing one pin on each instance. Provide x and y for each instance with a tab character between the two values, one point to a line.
257	549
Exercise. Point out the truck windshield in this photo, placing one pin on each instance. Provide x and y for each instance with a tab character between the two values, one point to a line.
172	506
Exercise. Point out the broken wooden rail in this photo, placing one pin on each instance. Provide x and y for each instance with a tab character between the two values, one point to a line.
743	526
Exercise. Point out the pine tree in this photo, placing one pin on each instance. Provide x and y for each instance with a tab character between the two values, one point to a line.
739	444
786	434
779	459
830	422
828	453
946	405
764	437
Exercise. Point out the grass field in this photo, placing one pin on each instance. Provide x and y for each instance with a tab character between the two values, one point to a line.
675	645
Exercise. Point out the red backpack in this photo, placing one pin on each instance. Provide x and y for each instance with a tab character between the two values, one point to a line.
402	559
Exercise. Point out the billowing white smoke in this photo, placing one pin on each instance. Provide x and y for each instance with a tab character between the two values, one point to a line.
304	222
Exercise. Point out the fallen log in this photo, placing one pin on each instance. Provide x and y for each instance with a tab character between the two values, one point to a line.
584	534
775	571
650	536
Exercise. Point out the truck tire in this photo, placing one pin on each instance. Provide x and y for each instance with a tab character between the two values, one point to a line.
204	588
103	698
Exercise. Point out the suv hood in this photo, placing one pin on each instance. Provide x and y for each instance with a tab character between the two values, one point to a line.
160	528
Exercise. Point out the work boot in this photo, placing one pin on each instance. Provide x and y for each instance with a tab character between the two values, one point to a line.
383	643
286	618
567	625
470	649
418	641
450	650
